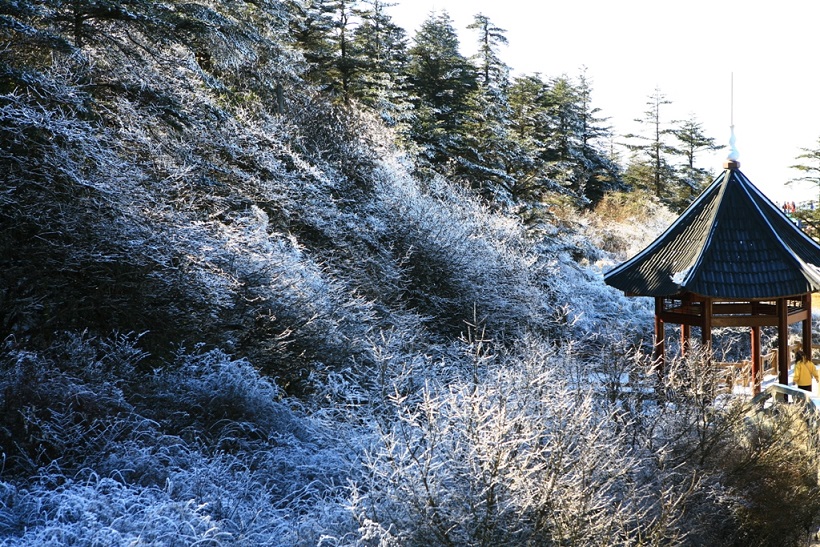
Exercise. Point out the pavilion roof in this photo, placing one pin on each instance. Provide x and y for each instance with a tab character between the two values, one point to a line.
731	243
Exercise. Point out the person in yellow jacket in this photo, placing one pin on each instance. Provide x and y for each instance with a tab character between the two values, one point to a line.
804	371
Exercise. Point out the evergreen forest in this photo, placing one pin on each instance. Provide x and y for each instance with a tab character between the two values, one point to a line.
278	273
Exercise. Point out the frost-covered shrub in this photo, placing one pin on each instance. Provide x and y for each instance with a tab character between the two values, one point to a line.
457	259
572	261
542	447
622	224
128	199
284	310
92	510
685	424
98	451
96	240
211	391
515	458
66	405
769	490
85	242
336	139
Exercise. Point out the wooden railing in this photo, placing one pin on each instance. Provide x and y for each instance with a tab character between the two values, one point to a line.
740	372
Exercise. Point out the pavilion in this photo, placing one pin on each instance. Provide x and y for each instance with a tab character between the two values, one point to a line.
732	259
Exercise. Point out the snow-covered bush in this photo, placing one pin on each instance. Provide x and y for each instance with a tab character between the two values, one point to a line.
685	424
622	224
540	447
97	451
518	457
457	259
67	405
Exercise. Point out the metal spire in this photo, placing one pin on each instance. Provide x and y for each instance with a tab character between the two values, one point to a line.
731	160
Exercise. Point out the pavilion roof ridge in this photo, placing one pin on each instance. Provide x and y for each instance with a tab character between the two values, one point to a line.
810	271
731	242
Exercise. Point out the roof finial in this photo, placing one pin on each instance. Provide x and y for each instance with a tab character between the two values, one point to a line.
731	160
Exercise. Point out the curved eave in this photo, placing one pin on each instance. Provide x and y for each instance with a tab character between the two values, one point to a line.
732	242
772	267
651	271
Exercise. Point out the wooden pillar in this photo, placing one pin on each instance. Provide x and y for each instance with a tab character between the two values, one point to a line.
807	326
783	353
659	353
757	362
685	329
706	331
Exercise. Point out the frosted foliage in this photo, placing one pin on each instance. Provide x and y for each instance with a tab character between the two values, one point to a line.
592	307
244	467
97	511
243	260
228	263
468	261
514	459
317	341
510	454
626	237
607	237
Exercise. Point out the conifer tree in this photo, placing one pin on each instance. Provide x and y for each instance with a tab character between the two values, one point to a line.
494	73
652	147
380	49
346	62
82	19
323	30
809	165
564	132
528	99
87	22
491	151
602	173
558	127
567	137
692	142
441	80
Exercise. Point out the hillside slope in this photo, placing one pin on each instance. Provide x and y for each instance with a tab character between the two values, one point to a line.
233	320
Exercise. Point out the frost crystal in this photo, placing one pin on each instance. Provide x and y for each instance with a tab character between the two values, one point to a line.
679	277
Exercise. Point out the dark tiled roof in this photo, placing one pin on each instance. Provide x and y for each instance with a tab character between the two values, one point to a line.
732	242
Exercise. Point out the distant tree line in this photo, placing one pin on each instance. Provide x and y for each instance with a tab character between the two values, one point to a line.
231	313
515	140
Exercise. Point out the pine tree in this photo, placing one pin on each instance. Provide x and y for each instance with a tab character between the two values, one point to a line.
346	62
810	167
380	49
493	71
809	214
490	148
558	126
639	173
654	150
564	132
691	177
440	80
529	118
602	172
322	29
88	21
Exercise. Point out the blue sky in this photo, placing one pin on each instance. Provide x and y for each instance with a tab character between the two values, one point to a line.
691	50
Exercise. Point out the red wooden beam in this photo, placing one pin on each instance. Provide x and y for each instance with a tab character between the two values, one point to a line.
783	354
757	362
659	352
807	325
